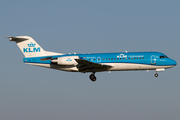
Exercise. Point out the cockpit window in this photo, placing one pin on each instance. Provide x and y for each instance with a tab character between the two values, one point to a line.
163	56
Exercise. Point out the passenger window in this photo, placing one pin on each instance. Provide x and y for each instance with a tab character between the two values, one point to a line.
102	58
108	58
111	58
117	58
114	58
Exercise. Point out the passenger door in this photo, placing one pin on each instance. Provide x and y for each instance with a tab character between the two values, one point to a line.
153	59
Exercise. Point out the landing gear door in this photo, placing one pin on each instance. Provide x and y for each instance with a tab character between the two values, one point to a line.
153	59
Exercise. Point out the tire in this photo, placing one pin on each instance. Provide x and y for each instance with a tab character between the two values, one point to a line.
92	77
156	75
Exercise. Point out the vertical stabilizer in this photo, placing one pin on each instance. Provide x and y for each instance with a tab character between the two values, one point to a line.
28	46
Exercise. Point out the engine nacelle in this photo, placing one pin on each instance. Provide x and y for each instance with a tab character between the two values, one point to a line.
68	60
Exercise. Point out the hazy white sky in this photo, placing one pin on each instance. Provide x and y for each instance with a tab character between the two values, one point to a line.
34	93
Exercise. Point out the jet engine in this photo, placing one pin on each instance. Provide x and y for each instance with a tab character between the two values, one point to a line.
67	60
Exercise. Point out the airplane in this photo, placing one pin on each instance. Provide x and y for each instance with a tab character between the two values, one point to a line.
93	62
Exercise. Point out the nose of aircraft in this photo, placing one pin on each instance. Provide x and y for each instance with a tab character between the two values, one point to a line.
173	62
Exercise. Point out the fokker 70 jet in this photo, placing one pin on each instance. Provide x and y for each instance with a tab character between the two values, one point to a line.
94	62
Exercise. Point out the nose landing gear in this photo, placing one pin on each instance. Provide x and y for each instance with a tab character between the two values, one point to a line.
156	75
93	77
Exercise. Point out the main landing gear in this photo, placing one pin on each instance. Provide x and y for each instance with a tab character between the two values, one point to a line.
93	77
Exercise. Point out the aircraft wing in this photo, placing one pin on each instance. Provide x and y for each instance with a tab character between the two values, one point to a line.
87	66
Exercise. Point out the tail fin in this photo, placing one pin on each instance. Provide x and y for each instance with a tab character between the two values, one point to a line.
28	46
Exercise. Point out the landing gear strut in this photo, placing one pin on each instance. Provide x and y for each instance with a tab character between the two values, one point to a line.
156	75
93	77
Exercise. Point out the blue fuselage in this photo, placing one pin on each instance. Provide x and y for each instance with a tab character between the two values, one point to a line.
146	58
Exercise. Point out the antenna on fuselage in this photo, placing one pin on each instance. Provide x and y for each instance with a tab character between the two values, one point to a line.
126	51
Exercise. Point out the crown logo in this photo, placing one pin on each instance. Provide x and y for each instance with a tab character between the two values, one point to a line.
69	59
31	45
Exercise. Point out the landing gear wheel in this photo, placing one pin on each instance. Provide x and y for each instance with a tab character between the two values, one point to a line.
92	77
156	75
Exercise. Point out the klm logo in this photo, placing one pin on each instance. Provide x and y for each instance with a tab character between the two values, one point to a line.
69	60
121	56
31	45
31	48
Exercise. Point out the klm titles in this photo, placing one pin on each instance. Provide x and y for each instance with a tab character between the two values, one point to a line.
31	48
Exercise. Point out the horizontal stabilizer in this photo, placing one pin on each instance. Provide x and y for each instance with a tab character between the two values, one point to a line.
16	38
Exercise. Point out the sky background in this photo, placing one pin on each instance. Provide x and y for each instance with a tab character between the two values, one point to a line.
34	93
